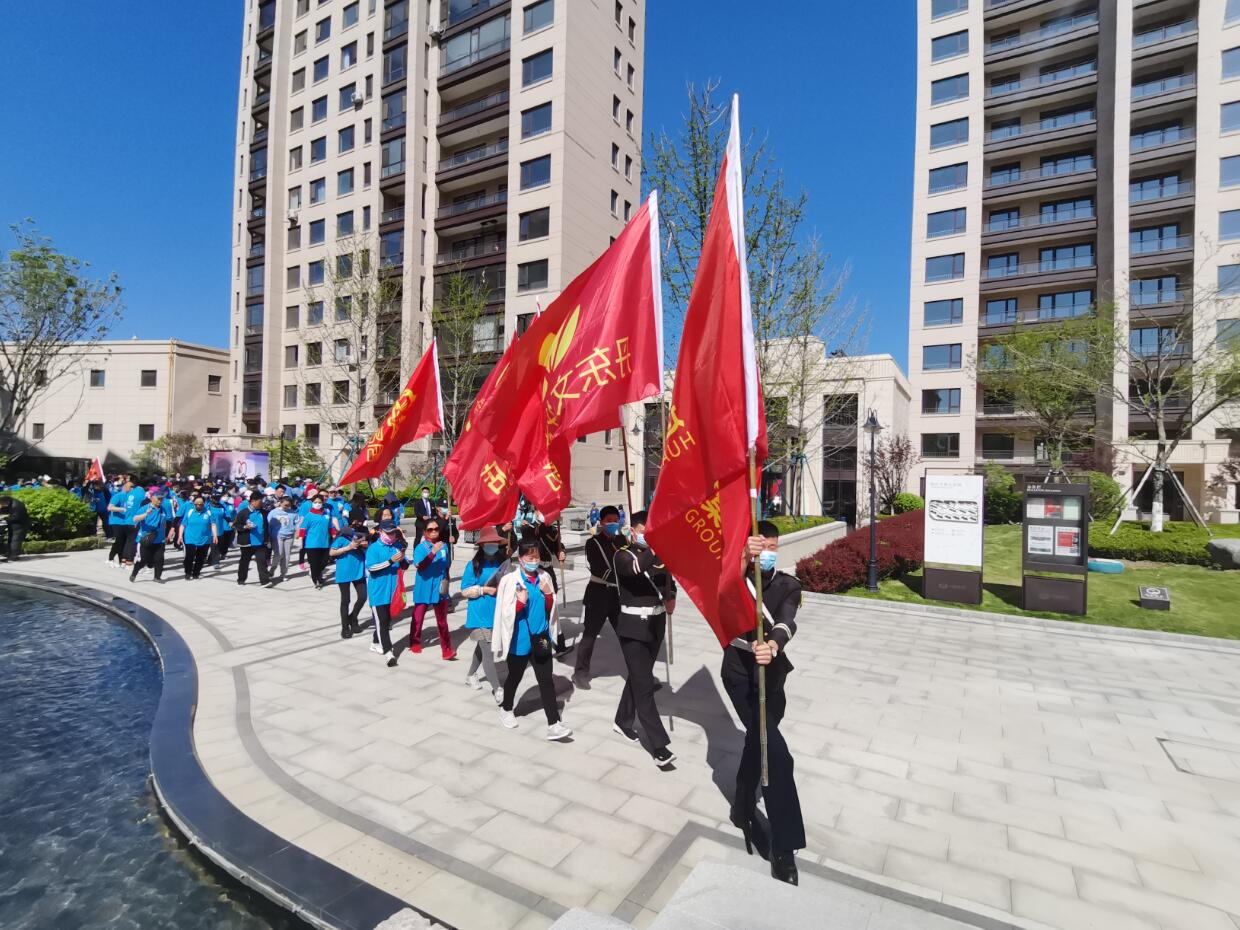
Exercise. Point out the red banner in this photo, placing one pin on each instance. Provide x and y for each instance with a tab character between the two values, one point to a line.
94	473
417	412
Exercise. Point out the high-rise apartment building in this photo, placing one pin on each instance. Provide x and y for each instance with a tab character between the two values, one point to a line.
422	138
1069	155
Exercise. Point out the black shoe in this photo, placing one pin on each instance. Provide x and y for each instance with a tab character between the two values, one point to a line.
784	867
392	662
561	651
658	685
346	633
627	732
133	576
242	583
581	682
354	628
663	757
752	830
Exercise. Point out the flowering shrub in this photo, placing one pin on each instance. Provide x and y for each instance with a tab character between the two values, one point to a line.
842	564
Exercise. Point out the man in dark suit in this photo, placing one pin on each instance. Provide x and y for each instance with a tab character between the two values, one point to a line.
423	510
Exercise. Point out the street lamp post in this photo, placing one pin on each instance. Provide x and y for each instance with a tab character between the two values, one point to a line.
872	427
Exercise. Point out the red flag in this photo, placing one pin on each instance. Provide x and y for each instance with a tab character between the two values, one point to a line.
417	412
596	347
699	518
95	472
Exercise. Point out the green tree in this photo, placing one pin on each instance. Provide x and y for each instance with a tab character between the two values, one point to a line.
468	321
293	458
170	454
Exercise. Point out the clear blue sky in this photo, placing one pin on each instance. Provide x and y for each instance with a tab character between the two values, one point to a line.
118	136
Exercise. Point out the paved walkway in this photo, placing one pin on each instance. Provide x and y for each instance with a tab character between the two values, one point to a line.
1060	777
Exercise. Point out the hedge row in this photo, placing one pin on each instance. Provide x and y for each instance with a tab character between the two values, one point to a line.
1182	543
83	544
844	563
55	514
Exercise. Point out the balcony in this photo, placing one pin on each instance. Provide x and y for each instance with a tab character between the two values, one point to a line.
393	169
395	30
473	210
261	99
1056	33
1071	78
257	215
483	108
1040	226
467	252
460	65
1003	321
395	215
1003	9
259	137
1163	200
1159	144
1033	181
473	161
1038	274
1162	252
257	250
1081	124
459	12
1163	86
1174	36
1161	192
395	121
258	174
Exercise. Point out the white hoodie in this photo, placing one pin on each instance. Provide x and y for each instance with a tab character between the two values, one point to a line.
506	612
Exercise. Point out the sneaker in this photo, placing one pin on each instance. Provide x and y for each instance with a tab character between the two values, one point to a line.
558	731
663	757
508	719
391	663
498	694
474	682
376	648
627	732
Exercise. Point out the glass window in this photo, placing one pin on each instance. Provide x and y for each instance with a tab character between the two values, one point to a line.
1064	304
941	358
349	17
536	68
1161	290
949	46
348	56
1229	280
291	315
1004	174
1157	188
393	110
941	400
292	277
947	89
945	223
1230	120
318	149
1147	341
318	232
1231	63
314	351
536	172
1000	220
538	15
294	158
535	224
943	312
318	190
299	80
940	445
1078	208
346	96
344	182
316	272
314	315
939	8
395	64
1000	266
1000	312
1232	12
147	378
318	110
998	445
393	157
344	224
1154	238
321	68
945	267
323	30
1066	164
1064	257
949	133
536	121
296	119
949	178
1064	72
532	276
344	140
1229	171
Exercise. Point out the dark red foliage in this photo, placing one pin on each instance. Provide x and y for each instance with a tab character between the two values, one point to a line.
842	564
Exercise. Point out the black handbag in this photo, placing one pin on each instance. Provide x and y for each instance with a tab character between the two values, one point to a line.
540	646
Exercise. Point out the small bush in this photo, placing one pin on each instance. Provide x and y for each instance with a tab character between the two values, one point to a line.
795	524
1180	543
83	544
906	501
843	564
1105	494
55	514
1002	505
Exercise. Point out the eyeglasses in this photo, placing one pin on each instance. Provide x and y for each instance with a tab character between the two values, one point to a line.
431	529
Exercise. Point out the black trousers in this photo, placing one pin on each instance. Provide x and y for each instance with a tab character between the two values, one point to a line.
259	555
542	672
318	562
122	539
195	559
150	555
637	699
598	614
783	807
107	527
382	632
17	535
222	545
349	617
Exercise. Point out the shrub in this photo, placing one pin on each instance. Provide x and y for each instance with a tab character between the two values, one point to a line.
1181	543
1002	505
83	544
794	524
843	564
1105	494
906	501
56	514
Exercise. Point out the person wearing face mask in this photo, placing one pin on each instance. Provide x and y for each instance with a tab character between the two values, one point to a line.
384	559
251	528
781	599
602	598
423	510
348	550
432	559
647	598
282	524
224	511
197	534
526	623
151	525
550	551
478	586
317	526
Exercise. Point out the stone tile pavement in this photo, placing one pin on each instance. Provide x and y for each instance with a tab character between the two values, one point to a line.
1046	775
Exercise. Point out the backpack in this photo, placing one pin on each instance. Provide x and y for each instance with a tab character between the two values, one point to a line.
241	520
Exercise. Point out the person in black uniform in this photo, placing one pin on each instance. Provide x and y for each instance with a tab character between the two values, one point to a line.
602	598
647	598
781	598
423	510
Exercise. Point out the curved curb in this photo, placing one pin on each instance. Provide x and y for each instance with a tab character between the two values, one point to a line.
314	890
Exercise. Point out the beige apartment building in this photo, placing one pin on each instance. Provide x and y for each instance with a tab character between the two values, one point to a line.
1070	153
118	396
495	137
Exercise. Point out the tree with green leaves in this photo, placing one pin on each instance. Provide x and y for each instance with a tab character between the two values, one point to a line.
53	312
470	339
293	458
172	453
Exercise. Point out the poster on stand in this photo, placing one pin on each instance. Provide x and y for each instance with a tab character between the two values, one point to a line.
1041	540
1068	541
239	464
954	520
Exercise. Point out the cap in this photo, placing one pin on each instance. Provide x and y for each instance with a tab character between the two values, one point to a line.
489	535
387	525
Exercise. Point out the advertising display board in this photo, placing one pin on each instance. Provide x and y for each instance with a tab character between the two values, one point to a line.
1055	540
954	537
239	464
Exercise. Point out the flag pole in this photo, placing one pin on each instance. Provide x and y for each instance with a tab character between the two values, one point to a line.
758	631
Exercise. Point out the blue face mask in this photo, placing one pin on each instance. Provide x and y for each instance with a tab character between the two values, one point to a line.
490	548
766	560
530	567
639	538
611	529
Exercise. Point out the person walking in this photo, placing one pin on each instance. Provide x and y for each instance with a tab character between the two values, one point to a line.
317	526
348	550
781	599
198	535
423	510
121	523
478	586
14	514
550	551
594	518
151	535
431	560
647	598
384	559
282	524
223	510
251	529
526	623
98	498
602	598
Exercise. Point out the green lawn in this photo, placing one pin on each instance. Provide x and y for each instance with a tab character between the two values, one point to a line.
1203	600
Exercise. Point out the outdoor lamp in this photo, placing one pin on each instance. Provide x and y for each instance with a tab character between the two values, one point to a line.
872	427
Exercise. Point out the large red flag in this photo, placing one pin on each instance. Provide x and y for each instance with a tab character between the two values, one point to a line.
596	347
94	473
417	412
700	518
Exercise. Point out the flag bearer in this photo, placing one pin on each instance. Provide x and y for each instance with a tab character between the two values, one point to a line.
602	598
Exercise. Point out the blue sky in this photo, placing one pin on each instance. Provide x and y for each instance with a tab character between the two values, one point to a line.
118	136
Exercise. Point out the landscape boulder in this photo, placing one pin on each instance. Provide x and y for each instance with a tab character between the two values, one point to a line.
1224	553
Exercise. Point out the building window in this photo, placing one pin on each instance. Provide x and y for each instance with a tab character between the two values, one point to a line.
536	68
1232	12
1000	312
318	232
344	224
1229	171
945	267
290	356
311	434
941	358
1063	257
536	172
1064	304
945	223
941	400
290	396
315	273
291	317
998	445
146	432
1231	63
292	277
535	224
94	432
615	109
532	276
36	431
615	204
97	377
949	178
1229	280
1230	119
314	313
944	312
948	89
147	377
344	182
1229	225
340	392
215	384
299	42
320	69
940	8
632	31
344	140
299	80
628	167
314	394
628	121
539	15
294	159
349	16
322	30
952	132
940	445
949	46
318	149
318	110
296	119
536	121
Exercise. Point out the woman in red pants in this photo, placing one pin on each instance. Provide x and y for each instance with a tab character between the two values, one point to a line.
431	559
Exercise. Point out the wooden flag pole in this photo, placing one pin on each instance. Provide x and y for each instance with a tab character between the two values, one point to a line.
758	625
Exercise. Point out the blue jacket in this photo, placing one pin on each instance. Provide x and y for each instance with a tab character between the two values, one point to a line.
351	565
118	519
481	613
152	524
426	582
317	526
380	577
196	526
133	501
258	529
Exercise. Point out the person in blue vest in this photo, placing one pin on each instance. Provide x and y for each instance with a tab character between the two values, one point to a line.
478	587
122	525
348	550
251	527
384	559
198	534
339	509
317	525
184	504
303	511
432	558
223	511
150	522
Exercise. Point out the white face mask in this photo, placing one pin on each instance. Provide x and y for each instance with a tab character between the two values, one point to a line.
425	496
530	567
